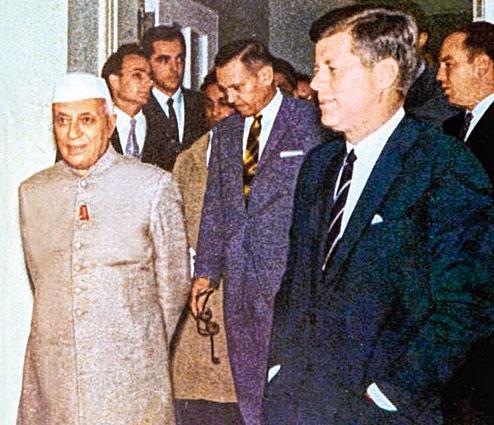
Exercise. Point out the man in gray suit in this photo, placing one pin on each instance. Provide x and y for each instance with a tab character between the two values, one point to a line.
255	157
105	247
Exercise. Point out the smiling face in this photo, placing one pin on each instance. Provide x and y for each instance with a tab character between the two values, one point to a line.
457	73
247	90
167	63
348	91
82	131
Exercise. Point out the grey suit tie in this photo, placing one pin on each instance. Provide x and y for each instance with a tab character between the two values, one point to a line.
132	148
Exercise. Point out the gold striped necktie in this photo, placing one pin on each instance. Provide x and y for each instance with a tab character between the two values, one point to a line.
251	155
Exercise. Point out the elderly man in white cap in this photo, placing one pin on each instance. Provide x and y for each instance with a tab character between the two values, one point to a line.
105	248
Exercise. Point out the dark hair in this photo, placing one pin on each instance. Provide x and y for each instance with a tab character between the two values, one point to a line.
479	38
286	68
114	63
300	76
378	33
209	80
161	33
251	53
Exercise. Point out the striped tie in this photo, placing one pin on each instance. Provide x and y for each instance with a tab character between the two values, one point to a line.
339	200
251	156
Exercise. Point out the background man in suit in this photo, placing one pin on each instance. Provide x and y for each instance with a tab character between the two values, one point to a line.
467	76
389	274
128	76
105	247
202	378
255	158
175	115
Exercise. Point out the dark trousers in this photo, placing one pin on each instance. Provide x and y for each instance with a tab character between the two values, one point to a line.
204	412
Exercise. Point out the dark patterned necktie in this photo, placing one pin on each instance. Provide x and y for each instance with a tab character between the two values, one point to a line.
466	125
132	148
251	156
339	201
172	122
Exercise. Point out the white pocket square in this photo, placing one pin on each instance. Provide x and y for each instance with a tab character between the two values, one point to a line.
273	371
377	219
288	154
379	398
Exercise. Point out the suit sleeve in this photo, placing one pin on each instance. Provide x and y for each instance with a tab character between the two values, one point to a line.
171	257
461	269
210	244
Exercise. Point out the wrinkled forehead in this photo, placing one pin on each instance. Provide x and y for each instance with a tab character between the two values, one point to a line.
93	106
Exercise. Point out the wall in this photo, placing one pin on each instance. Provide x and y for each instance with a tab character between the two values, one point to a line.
241	19
34	46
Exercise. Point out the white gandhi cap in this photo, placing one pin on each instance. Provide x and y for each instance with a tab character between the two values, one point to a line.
77	86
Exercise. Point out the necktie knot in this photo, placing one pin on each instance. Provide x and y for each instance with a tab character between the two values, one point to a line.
133	124
169	102
466	125
351	157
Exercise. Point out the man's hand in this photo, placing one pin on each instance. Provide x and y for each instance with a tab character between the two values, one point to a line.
201	287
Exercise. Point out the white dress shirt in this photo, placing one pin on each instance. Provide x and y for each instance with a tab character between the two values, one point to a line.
479	111
367	152
268	113
123	128
178	105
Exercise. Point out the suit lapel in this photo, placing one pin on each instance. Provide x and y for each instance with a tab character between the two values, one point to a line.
482	132
115	141
232	149
278	130
188	115
385	171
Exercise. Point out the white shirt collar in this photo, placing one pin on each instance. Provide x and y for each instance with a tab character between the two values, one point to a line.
269	113
124	117
162	98
373	144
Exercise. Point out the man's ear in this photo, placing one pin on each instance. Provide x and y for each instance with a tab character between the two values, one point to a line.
111	123
422	39
114	81
483	65
265	75
386	72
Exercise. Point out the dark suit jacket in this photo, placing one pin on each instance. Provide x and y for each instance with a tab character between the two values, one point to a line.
481	139
248	246
472	385
160	150
403	297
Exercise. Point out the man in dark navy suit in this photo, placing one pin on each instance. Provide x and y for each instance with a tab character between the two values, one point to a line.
467	75
389	272
175	114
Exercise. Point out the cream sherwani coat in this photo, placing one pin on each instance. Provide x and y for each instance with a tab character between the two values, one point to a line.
108	291
195	376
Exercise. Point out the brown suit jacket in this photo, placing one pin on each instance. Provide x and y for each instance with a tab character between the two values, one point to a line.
195	376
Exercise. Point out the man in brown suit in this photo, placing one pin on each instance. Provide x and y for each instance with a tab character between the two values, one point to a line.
105	247
202	379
